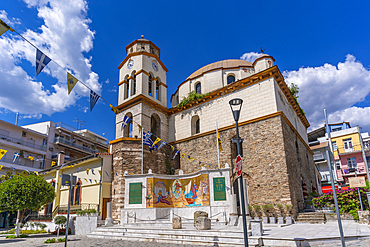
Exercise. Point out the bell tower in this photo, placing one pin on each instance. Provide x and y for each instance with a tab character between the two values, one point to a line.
142	90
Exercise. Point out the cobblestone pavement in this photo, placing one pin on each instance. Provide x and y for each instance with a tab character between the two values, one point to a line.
38	241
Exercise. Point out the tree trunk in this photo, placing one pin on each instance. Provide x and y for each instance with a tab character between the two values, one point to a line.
19	221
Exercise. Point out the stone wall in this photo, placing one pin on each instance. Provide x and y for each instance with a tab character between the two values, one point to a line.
269	160
127	157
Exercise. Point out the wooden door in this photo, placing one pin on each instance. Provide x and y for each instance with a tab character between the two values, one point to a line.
104	209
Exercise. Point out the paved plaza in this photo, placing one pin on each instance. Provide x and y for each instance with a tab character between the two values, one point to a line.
325	234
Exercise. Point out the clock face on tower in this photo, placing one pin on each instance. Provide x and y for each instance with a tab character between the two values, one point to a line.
130	64
155	66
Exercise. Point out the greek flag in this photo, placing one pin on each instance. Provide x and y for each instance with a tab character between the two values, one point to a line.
41	61
125	121
15	157
148	141
93	99
162	144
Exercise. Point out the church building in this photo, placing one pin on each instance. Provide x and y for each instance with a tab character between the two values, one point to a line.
277	161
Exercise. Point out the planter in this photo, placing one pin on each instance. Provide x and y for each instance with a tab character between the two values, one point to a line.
280	220
272	220
288	220
265	220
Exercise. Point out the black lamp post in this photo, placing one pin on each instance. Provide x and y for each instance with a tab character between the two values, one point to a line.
236	106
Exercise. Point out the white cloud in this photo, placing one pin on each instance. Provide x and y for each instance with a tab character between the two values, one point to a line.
4	17
65	37
335	88
250	56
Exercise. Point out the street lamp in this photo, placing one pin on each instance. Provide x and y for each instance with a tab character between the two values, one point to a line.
236	106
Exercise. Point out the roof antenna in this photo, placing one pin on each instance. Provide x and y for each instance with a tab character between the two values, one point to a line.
262	50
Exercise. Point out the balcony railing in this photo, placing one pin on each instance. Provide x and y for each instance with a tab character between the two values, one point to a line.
61	140
353	149
318	156
23	142
24	162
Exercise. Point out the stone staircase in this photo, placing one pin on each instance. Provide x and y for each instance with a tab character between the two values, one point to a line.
162	232
311	218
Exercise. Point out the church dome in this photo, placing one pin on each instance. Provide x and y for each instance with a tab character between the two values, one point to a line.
224	64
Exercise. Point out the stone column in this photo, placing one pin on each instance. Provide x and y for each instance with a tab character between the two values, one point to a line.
109	220
154	84
131	86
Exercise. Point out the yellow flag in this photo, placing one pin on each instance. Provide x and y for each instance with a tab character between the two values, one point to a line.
4	27
114	109
172	147
30	157
87	171
122	174
96	181
53	175
86	180
2	152
71	81
140	128
156	141
182	156
219	142
1	167
36	173
53	163
99	172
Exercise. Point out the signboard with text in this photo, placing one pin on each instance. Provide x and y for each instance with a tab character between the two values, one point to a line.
357	182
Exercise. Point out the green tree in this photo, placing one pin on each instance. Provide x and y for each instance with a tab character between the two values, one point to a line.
22	191
60	221
294	90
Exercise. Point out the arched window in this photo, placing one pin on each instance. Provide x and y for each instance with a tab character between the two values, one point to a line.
157	91
198	88
150	85
195	125
155	126
127	131
230	79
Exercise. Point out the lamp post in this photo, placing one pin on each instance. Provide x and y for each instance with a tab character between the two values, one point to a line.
236	105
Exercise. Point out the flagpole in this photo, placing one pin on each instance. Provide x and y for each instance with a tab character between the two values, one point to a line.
218	148
142	150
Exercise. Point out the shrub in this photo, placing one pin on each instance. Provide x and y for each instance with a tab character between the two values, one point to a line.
10	236
20	236
192	96
257	208
50	240
60	220
62	231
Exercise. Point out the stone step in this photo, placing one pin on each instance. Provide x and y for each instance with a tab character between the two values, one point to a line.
252	241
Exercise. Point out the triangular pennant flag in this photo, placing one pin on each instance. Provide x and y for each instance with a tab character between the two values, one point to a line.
162	144
87	171
156	141
95	181
200	163
86	180
4	27
15	157
71	81
60	176
53	175
177	152
116	174
140	128
2	153
182	156
90	180
36	173
41	61
122	174
93	99
107	173
79	169
99	172
92	171
1	167
31	157
172	148
114	109
125	121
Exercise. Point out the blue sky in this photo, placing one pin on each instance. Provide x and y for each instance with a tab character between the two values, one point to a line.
323	46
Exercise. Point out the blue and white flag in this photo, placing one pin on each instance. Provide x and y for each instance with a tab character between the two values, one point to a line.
90	181
79	169
93	99
41	61
92	171
16	155
162	144
125	121
177	152
148	141
107	173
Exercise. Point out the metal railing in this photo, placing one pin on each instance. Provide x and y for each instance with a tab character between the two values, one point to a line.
63	209
318	156
23	142
24	162
61	140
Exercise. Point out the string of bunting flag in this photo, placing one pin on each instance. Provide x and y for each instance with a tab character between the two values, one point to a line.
42	60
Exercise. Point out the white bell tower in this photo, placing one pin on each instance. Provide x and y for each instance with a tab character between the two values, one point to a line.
142	90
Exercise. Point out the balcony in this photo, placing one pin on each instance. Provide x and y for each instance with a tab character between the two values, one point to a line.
24	162
318	157
22	142
69	144
350	150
